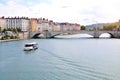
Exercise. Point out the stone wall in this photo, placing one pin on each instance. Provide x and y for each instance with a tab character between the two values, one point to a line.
24	35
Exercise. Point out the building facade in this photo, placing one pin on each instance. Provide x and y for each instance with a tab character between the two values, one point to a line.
56	27
77	27
69	26
33	24
16	22
44	24
2	23
39	24
36	24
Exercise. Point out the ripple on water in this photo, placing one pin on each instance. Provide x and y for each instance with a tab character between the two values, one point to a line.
78	71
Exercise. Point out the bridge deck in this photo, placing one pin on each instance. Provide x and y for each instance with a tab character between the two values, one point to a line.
96	34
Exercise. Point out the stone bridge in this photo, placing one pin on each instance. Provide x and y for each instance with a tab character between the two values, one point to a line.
48	34
96	34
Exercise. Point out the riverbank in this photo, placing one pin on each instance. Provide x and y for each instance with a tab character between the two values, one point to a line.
11	40
22	36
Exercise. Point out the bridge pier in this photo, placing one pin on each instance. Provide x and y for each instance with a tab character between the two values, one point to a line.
47	34
116	34
96	34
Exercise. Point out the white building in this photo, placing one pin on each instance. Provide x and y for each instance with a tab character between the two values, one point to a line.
22	23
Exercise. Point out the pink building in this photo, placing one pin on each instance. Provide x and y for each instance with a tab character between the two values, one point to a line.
2	22
77	27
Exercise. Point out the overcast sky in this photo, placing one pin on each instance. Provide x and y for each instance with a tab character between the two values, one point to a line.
76	11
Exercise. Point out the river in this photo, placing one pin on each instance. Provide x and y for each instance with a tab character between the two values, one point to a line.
61	59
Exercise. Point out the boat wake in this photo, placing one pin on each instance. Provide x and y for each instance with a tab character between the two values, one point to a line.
76	70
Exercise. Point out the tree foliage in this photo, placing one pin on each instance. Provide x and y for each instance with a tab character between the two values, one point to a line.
83	27
110	27
10	36
15	30
0	29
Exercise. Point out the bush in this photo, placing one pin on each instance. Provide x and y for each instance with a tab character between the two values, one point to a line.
12	37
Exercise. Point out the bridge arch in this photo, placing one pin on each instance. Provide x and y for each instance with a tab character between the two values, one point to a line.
111	35
57	34
96	34
38	35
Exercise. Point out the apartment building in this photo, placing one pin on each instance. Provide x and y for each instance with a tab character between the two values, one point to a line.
39	24
18	22
55	26
44	24
69	26
76	27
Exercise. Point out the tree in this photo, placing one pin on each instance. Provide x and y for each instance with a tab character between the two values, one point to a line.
15	30
0	29
110	27
18	29
83	27
4	30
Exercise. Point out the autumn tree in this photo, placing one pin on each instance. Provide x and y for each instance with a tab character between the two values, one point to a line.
110	27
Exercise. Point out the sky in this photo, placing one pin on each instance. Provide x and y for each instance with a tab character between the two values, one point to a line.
83	12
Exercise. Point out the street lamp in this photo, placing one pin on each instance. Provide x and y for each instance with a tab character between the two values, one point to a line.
95	32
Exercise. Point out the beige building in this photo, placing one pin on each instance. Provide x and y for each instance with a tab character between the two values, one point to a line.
51	25
33	24
77	27
69	26
40	25
44	25
56	27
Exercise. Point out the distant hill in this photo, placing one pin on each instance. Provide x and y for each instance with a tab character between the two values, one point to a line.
105	26
91	27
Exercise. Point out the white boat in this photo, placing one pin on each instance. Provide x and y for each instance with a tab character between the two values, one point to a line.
30	46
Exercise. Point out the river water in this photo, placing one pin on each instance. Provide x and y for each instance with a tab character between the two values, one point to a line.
61	59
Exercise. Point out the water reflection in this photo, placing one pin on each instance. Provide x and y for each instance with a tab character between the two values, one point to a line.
105	35
75	36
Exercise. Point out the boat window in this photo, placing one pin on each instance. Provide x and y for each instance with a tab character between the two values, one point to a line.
28	45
